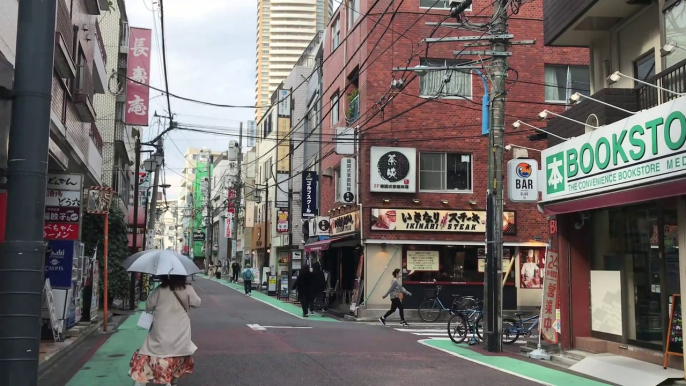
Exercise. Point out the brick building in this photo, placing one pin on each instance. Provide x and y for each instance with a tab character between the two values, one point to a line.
406	218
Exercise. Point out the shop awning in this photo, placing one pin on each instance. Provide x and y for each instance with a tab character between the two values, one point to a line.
622	197
323	245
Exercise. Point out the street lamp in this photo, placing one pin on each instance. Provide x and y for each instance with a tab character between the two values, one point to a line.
518	124
576	97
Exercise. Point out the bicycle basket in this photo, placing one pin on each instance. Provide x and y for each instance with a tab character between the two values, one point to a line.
431	293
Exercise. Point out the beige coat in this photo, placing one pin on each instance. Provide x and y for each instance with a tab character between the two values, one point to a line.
170	335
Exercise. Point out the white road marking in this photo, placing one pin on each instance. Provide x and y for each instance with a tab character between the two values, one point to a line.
285	327
257	327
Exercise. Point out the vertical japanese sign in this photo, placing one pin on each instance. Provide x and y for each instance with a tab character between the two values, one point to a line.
229	226
348	180
309	193
63	207
249	214
282	221
138	74
549	304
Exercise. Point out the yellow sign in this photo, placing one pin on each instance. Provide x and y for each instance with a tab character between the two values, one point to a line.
422	260
283	150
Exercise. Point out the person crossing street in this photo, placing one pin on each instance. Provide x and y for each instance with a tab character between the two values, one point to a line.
235	269
396	292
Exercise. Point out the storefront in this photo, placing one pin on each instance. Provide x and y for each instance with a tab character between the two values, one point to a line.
429	259
260	250
617	208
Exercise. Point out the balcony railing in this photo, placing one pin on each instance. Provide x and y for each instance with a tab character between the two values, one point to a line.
353	110
84	82
95	136
101	44
673	78
65	26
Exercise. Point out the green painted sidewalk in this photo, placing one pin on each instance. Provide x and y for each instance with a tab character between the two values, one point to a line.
110	364
286	307
523	369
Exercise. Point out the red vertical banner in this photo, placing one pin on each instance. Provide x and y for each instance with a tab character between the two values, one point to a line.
550	296
138	77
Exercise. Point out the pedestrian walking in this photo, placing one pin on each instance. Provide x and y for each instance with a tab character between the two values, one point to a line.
318	287
304	285
235	269
166	354
396	292
248	277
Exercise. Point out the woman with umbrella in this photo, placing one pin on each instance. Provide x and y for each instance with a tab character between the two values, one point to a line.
166	353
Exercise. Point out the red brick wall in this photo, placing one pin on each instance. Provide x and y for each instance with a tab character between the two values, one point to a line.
443	125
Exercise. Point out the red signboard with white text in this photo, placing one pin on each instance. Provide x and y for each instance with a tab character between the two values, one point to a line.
550	297
138	77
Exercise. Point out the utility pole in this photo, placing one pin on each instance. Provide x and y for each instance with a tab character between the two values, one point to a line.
237	186
22	254
494	205
208	221
132	285
153	201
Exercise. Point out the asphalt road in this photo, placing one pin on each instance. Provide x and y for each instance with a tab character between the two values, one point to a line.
232	353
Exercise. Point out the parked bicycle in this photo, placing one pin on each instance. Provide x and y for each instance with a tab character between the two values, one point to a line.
466	321
431	307
513	329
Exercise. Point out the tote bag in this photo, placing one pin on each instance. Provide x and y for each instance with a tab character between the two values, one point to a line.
145	320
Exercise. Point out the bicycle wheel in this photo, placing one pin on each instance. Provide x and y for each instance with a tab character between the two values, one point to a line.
457	328
510	331
478	327
429	310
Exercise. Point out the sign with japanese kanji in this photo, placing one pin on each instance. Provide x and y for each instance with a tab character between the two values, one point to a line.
62	214
550	291
422	261
348	180
138	77
347	223
434	220
64	198
393	169
282	221
228	225
60	231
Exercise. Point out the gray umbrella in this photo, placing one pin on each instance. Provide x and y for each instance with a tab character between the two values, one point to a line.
160	262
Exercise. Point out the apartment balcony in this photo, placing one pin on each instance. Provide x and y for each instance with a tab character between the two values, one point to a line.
64	39
123	139
673	78
83	94
95	137
95	153
99	62
578	22
593	113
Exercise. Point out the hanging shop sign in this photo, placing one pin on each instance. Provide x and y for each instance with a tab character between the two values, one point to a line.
321	226
282	196
198	235
138	74
65	182
393	169
347	223
99	199
430	220
259	236
228	225
64	198
282	221
522	180
642	148
309	193
61	231
422	261
549	304
59	263
62	214
348	180
249	214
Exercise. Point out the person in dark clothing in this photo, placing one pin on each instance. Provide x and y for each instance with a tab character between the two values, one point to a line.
304	285
235	269
318	287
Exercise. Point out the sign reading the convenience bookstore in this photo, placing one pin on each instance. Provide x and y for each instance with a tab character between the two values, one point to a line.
645	147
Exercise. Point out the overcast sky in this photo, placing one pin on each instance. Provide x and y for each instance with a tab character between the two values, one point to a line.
210	48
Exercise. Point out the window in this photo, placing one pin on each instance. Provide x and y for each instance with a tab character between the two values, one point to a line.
675	22
455	263
438	4
336	34
563	81
445	172
353	12
644	68
334	109
459	83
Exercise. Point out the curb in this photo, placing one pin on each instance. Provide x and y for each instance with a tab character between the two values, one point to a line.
47	365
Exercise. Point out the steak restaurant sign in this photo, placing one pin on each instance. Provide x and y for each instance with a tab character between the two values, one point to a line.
645	147
457	221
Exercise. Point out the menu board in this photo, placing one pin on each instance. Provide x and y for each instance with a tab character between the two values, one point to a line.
675	339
